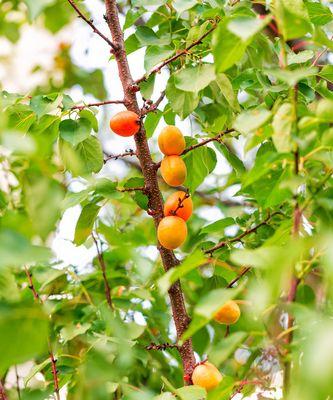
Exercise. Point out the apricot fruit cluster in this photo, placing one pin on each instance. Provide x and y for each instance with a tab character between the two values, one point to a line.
172	230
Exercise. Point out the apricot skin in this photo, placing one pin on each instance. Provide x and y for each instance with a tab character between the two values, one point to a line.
207	376
228	314
125	123
173	170
171	141
172	204
172	232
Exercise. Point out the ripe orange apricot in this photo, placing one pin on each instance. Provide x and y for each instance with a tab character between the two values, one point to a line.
228	314
171	141
125	123
173	170
172	232
179	204
206	375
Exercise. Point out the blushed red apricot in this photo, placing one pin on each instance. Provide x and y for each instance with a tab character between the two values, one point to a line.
125	123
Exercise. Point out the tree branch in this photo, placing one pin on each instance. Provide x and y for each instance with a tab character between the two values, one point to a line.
149	172
177	55
242	235
91	24
98	104
38	299
101	261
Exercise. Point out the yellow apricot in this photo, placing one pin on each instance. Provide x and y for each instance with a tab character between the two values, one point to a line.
207	376
173	170
172	232
171	141
228	314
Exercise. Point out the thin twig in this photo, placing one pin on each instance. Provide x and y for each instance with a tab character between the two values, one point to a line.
242	273
242	235
98	104
177	55
18	390
163	346
31	286
38	299
91	24
103	268
130	152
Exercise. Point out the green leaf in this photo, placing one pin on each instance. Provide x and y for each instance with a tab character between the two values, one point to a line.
249	121
192	262
327	73
155	54
42	105
182	5
200	163
85	158
232	159
218	226
35	7
222	350
245	28
152	121
191	393
282	125
16	250
194	79
85	223
231	39
43	199
227	90
147	37
299	58
90	116
75	131
182	103
23	333
319	13
71	331
292	18
291	77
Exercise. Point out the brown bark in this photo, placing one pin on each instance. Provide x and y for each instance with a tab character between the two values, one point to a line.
149	171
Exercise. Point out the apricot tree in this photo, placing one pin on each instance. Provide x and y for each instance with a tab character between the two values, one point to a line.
224	289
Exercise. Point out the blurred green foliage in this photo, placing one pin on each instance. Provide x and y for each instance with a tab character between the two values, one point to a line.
275	93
